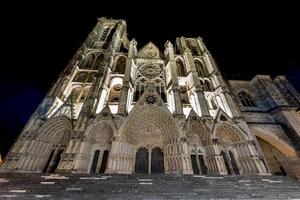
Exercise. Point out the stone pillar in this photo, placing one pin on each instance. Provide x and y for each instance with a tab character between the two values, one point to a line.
169	51
215	160
193	75
149	159
126	82
185	158
252	160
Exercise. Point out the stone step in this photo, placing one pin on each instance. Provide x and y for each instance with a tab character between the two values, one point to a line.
75	186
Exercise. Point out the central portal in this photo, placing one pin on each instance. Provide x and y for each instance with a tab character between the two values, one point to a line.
145	164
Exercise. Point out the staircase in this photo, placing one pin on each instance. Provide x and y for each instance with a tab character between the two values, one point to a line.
75	186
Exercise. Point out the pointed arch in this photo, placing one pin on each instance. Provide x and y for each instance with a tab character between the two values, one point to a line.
100	130
180	68
88	61
52	139
246	99
150	117
207	86
98	62
200	67
54	129
81	77
228	133
120	65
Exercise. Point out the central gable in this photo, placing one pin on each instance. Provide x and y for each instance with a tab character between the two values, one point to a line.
149	51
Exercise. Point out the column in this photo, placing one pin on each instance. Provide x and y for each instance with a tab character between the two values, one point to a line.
188	57
126	81
173	74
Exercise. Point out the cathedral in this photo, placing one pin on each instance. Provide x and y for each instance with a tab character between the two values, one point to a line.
117	109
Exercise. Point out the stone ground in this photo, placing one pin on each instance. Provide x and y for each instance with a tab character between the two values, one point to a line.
148	187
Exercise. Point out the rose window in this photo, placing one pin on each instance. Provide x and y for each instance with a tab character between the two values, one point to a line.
150	99
150	71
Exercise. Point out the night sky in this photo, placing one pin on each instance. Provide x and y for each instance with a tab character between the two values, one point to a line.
38	40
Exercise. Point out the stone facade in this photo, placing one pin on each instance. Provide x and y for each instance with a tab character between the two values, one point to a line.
119	110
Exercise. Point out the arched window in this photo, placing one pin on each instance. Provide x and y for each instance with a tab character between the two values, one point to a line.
108	38
207	86
120	65
246	99
193	46
180	68
202	72
98	62
88	62
184	95
81	77
139	90
91	77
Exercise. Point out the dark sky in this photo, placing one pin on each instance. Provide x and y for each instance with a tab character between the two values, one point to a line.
38	40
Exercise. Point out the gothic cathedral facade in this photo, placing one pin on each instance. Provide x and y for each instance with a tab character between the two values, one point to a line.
116	109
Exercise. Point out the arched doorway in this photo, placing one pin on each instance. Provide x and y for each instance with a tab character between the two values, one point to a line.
54	136
197	139
151	127
157	160
100	136
141	160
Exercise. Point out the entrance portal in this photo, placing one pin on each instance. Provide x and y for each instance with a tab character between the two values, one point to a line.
141	160
157	160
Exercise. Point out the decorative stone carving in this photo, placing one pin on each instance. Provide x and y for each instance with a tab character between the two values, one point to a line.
150	99
150	70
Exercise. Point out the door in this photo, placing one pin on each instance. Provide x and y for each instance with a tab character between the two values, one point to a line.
202	165
157	160
194	164
226	162
94	162
48	161
104	162
233	163
55	161
141	160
